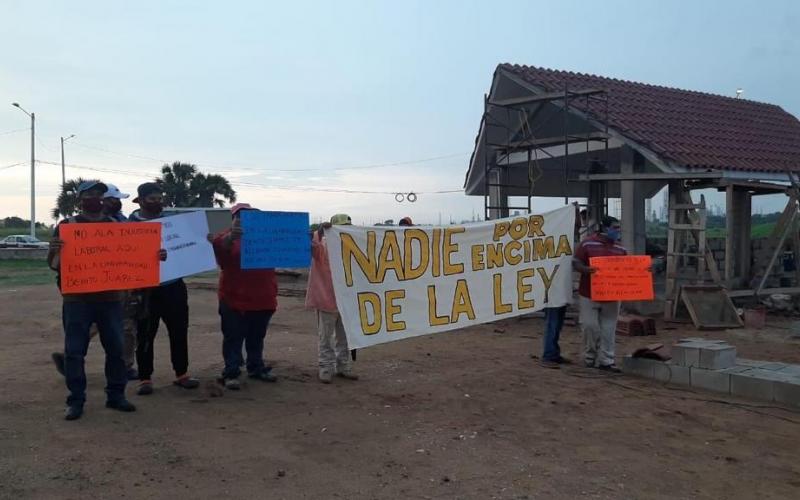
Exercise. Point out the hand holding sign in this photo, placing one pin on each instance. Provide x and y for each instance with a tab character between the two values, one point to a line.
274	239
621	278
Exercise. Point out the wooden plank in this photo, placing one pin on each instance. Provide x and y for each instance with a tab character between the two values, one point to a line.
659	176
737	294
710	307
551	96
775	253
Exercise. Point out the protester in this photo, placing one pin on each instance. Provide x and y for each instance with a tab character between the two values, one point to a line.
405	221
80	310
247	300
598	319
168	302
112	207
334	355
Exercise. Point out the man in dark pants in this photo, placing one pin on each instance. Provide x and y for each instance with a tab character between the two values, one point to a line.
247	300
168	302
80	310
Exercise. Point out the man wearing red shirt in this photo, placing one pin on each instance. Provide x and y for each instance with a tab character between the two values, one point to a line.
598	320
247	300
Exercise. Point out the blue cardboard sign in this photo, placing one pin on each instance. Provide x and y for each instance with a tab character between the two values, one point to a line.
275	239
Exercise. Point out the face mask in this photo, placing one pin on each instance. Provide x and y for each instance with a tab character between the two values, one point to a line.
154	207
613	234
91	205
112	205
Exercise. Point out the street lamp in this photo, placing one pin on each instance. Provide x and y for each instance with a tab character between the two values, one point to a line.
63	170
33	171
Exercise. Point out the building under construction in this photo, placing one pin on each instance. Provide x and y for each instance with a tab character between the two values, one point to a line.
561	134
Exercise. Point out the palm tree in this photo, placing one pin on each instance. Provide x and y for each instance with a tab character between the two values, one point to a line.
184	186
67	203
206	188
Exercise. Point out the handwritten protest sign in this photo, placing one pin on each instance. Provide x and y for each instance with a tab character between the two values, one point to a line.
397	283
622	278
275	239
109	256
188	251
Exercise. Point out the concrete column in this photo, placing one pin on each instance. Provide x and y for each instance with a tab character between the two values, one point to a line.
498	195
738	205
633	216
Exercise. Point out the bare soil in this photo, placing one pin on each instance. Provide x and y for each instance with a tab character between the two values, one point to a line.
467	414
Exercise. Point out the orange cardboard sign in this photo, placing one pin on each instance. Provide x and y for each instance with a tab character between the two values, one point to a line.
109	256
622	278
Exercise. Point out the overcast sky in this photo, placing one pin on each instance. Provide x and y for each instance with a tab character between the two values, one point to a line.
290	95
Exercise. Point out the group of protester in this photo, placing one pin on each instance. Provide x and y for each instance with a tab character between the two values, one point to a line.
127	322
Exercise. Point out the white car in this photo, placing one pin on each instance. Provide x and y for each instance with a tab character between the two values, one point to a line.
22	241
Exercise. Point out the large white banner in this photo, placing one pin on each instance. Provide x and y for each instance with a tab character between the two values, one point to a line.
188	250
396	283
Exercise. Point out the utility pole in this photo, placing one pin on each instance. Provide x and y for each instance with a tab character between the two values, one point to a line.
33	167
63	169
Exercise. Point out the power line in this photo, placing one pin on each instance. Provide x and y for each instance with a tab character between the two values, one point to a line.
14	131
13	165
260	169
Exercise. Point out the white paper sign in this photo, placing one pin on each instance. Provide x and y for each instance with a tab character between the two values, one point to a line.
188	251
396	283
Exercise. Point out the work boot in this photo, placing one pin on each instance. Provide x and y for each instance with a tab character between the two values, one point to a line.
325	376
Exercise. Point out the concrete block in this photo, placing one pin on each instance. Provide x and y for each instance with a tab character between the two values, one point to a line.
701	340
793	370
787	393
711	380
773	366
717	356
738	369
751	362
671	373
640	367
747	385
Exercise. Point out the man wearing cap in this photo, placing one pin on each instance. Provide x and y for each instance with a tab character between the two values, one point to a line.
247	300
112	207
334	354
405	221
168	302
80	310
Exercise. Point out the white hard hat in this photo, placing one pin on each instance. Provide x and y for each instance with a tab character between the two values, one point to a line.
114	192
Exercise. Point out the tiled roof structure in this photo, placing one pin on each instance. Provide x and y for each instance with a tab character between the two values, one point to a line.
691	129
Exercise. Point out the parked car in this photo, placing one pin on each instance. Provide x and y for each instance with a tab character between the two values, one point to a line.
22	241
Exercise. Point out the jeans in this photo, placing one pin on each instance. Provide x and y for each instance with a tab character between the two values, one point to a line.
77	318
554	321
171	304
248	328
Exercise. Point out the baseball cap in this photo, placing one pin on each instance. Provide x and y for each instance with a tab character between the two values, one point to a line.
406	221
87	185
146	189
240	206
341	220
114	192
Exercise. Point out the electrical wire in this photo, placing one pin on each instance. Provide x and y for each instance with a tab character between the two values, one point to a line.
13	165
14	131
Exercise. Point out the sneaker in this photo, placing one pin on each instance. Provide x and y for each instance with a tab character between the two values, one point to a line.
145	388
233	384
546	363
121	405
347	374
73	412
264	376
187	382
132	374
564	361
58	360
325	376
609	368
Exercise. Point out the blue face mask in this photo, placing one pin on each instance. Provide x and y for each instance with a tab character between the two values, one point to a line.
612	233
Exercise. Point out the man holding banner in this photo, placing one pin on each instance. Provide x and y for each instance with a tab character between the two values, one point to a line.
598	320
334	353
168	302
247	300
80	310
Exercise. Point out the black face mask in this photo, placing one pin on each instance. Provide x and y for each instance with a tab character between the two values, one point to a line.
112	205
92	205
153	207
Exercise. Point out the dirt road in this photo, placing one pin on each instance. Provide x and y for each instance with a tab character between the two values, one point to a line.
459	415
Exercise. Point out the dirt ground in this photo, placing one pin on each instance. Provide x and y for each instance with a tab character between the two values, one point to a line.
467	414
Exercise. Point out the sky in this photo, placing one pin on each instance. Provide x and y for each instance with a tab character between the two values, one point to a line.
284	99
